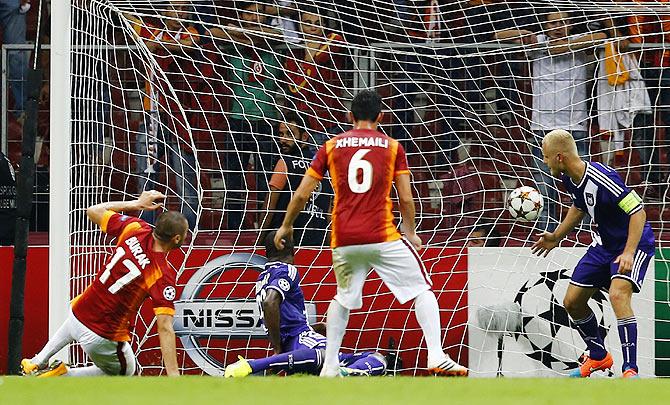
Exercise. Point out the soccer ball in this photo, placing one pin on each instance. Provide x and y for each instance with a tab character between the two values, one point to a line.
525	203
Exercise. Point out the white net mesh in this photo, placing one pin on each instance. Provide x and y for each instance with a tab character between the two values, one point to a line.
189	97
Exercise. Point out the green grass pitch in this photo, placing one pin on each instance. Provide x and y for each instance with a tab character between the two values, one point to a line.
194	390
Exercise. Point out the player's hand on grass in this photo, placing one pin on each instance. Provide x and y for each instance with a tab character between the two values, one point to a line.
282	235
545	244
625	261
148	200
414	239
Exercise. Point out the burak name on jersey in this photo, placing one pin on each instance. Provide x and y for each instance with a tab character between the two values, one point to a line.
354	142
134	246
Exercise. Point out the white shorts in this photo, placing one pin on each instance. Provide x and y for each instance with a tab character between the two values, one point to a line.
113	358
397	263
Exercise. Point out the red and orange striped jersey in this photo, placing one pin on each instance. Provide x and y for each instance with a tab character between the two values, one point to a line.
134	272
362	164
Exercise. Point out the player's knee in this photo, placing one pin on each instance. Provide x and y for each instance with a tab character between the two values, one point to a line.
620	297
569	304
572	306
118	368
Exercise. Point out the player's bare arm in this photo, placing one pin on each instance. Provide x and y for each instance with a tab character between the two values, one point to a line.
407	209
271	318
168	346
148	201
635	228
549	240
297	204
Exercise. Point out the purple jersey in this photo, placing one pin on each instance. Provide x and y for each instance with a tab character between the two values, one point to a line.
284	279
609	202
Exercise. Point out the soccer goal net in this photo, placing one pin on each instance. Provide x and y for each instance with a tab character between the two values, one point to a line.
221	105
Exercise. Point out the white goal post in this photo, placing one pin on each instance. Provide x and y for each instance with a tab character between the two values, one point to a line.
59	170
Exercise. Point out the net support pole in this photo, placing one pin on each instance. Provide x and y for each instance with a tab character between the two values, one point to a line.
59	173
24	201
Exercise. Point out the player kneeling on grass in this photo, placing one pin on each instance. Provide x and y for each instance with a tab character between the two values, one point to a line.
623	245
99	317
298	348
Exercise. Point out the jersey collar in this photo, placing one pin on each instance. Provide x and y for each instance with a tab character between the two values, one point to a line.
581	182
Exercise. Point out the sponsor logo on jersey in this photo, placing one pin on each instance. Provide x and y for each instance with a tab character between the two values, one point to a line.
590	200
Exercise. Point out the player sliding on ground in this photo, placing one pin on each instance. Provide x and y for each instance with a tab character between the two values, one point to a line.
623	245
99	319
298	348
364	164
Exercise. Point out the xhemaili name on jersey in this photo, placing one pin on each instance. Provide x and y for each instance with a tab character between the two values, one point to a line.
354	142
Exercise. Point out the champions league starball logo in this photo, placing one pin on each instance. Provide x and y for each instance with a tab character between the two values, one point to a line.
546	327
200	317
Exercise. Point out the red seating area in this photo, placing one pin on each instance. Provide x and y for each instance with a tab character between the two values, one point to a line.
451	198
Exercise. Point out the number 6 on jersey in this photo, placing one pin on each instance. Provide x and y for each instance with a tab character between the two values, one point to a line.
357	162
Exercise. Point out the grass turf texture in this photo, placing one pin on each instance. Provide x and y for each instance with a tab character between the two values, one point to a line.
193	390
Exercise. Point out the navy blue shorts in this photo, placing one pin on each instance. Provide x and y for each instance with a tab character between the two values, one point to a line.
596	269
